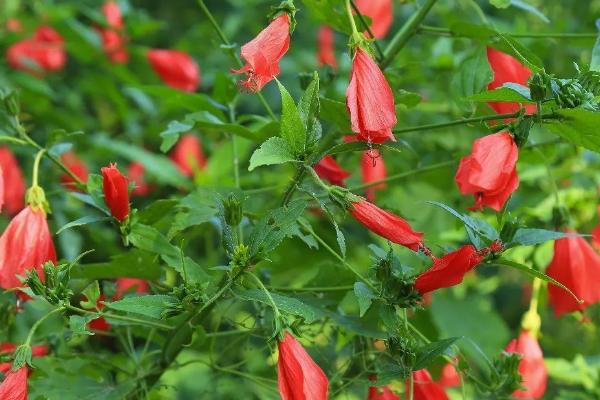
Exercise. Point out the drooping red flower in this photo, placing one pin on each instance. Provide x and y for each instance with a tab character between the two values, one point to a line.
14	183
450	376
116	192
326	42
7	348
386	224
381	393
26	244
175	68
327	168
298	376
76	166
125	285
262	54
448	270
373	170
135	173
425	388
370	101
576	265
381	13
42	52
489	173
14	386
188	155
531	367
507	69
113	40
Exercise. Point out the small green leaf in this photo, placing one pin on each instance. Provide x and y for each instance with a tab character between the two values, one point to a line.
309	108
473	75
503	93
292	126
79	324
92	294
500	3
429	352
364	295
274	151
478	226
88	219
595	62
578	126
171	134
286	304
529	237
148	305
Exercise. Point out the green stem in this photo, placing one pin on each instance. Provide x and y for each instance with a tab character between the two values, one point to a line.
267	293
317	179
412	386
36	167
403	175
405	33
457	122
336	255
437	31
313	289
368	29
237	60
351	18
38	323
296	180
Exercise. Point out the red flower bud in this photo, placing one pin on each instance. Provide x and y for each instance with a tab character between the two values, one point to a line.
425	388
188	155
326	42
262	54
176	69
386	224
25	244
489	172
531	367
298	376
116	192
125	285
14	386
448	270
576	265
76	166
113	40
450	376
381	13
370	101
373	170
135	173
14	183
331	171
44	51
507	69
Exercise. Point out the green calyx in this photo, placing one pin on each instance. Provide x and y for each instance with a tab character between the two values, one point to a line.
287	7
36	199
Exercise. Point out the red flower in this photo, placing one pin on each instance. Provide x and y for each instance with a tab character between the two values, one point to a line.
44	51
262	54
326	41
76	166
135	173
448	270
381	393
489	172
331	171
370	100
176	69
577	266
373	170
188	156
126	285
425	388
25	244
1	189
386	224
450	377
113	41
116	192
14	183
14	386
507	69
381	13
298	376
532	368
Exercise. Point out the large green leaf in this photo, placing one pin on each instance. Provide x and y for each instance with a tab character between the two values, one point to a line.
578	126
274	151
473	75
285	303
293	130
529	236
151	306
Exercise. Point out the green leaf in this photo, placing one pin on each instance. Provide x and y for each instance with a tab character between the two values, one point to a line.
478	226
88	219
151	306
270	230
533	273
500	3
292	126
156	211
147	238
309	108
329	12
530	9
171	134
578	126
132	264
274	151
92	294
335	112
364	295
78	324
429	352
473	75
503	93
529	237
595	61
209	123
288	304
177	99
408	99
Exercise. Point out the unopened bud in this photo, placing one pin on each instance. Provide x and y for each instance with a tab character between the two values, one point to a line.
233	210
